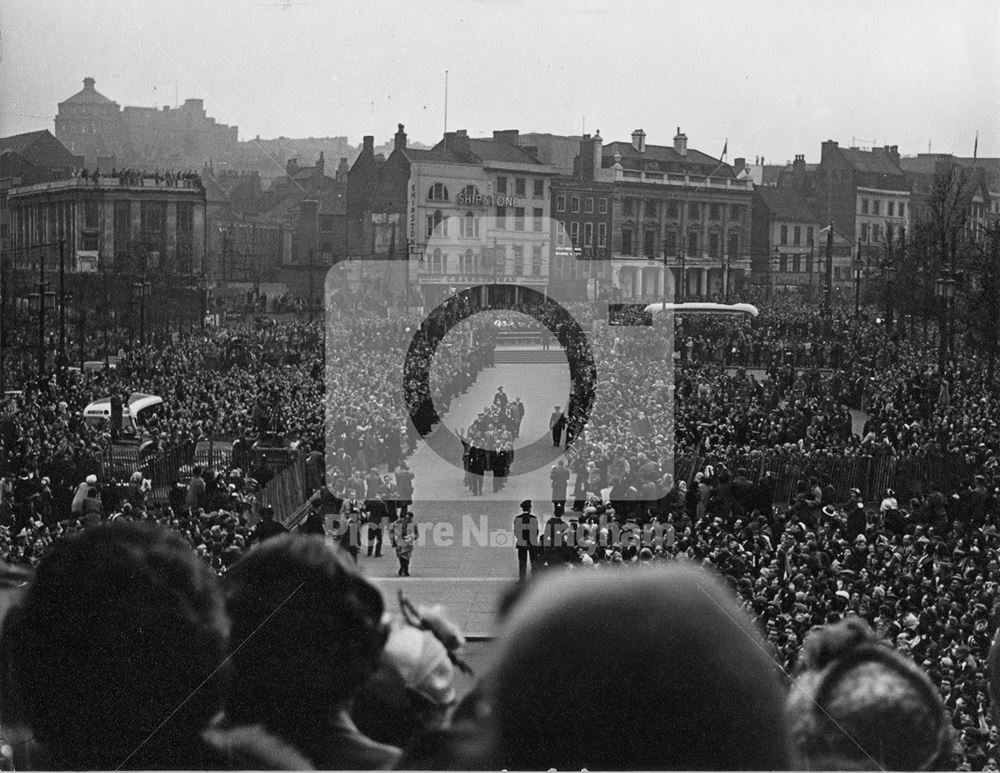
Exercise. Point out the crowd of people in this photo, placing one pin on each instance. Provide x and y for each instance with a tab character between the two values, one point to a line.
921	571
138	176
293	660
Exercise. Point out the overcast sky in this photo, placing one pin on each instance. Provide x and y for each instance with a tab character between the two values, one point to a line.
775	77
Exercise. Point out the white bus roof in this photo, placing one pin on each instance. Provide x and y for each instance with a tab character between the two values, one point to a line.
704	308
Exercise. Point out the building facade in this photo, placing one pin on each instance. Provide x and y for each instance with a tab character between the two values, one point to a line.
681	220
134	225
582	225
467	213
791	242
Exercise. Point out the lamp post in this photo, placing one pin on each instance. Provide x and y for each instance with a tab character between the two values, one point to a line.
141	291
944	288
889	273
37	304
203	300
78	315
682	254
857	282
62	303
775	266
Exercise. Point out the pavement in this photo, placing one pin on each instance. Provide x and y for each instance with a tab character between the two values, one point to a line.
464	558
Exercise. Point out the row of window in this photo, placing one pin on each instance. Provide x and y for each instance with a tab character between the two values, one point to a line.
439	191
468	224
588	204
871	233
671	243
650	208
471	262
573	235
797	233
892	208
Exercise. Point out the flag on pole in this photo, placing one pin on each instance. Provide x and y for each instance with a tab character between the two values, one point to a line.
725	149
975	147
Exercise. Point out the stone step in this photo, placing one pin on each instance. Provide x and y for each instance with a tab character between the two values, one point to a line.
528	356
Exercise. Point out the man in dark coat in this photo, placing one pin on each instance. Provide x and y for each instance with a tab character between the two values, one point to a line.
555	540
560	479
557	423
526	539
268	527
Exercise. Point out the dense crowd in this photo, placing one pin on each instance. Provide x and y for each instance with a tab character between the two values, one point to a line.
923	572
294	660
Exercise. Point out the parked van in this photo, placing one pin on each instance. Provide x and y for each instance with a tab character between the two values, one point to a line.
135	413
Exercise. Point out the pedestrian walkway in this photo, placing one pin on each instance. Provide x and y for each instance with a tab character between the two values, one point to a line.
465	557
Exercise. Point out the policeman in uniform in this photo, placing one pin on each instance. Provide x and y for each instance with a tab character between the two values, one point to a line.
526	540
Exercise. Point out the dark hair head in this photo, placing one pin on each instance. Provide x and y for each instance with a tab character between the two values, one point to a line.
307	632
120	633
859	705
661	663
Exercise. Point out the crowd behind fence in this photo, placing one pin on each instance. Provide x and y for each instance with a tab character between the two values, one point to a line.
909	477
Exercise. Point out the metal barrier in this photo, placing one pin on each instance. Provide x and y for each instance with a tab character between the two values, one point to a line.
908	477
287	491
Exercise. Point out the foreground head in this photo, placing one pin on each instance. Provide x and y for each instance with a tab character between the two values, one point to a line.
307	632
651	670
859	705
109	659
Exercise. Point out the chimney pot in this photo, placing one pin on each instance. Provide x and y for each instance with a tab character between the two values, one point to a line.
639	140
400	142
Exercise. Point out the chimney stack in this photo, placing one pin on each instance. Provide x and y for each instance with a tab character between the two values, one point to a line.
320	163
291	167
342	169
680	143
368	144
589	159
400	142
461	143
510	136
799	171
639	140
739	164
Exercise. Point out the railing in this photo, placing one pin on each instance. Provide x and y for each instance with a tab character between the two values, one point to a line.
908	477
287	492
685	180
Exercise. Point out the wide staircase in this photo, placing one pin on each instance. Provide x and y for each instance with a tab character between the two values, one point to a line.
529	356
526	347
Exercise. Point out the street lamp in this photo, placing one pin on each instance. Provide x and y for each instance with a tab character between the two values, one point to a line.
889	272
36	304
775	265
78	315
141	291
944	288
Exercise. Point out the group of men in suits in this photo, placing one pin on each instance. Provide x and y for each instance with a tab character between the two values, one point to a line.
489	444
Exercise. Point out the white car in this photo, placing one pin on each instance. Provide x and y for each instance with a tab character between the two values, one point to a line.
135	413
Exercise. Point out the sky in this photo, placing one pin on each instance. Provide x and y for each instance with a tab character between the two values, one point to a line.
772	78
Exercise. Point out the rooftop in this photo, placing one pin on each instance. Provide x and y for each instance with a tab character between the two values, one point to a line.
88	95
